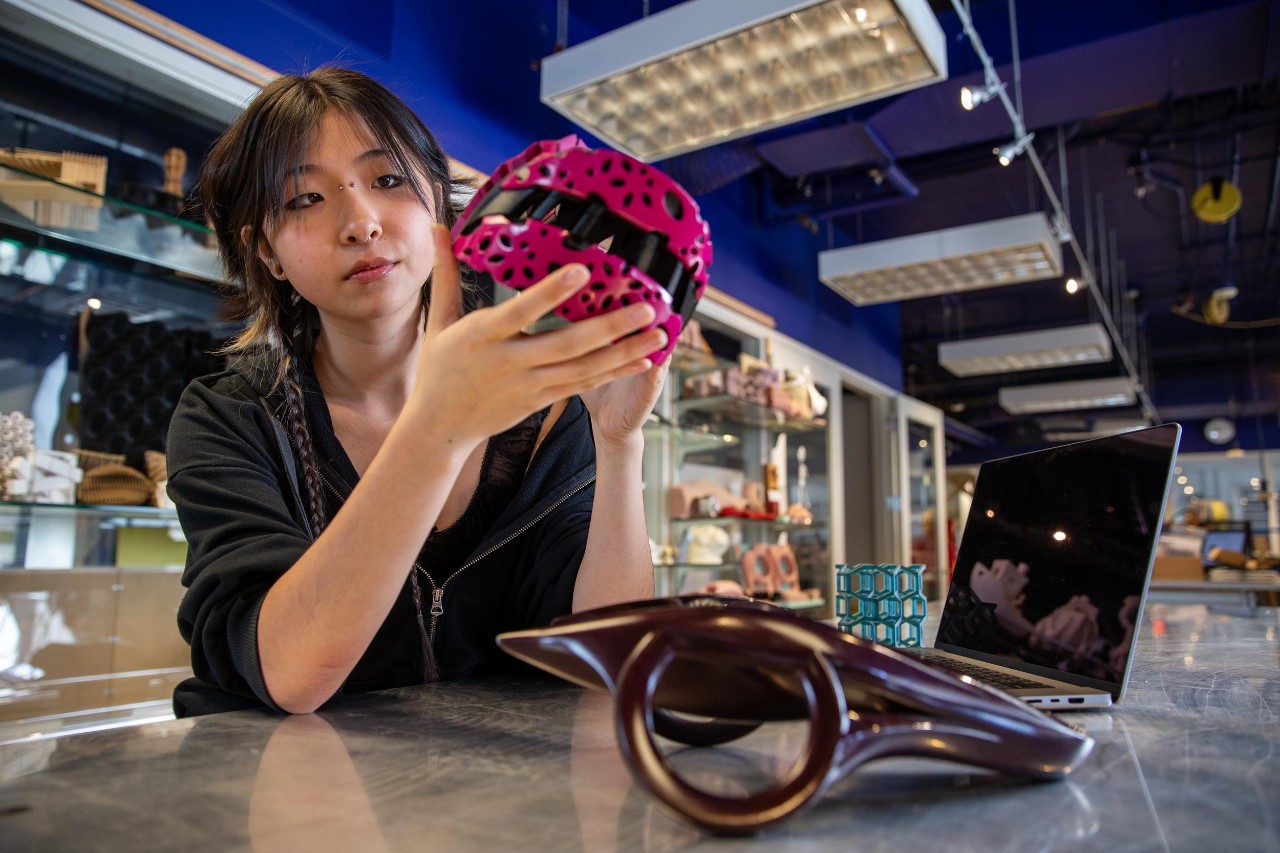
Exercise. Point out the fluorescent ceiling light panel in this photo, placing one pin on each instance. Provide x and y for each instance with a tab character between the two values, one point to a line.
1063	347
970	257
707	71
1068	396
1097	429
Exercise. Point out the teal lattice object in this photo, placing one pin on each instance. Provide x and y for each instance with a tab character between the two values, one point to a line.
881	602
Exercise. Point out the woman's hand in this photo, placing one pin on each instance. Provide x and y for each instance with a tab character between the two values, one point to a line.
478	374
620	408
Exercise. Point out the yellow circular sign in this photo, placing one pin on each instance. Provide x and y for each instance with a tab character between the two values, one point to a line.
1216	201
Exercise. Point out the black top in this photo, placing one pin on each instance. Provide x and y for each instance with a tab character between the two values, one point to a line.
446	550
234	480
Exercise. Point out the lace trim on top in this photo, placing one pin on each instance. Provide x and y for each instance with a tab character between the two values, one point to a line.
505	459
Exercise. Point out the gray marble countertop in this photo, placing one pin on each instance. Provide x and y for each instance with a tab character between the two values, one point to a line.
1189	760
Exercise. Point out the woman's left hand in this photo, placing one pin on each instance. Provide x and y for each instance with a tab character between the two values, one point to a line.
620	408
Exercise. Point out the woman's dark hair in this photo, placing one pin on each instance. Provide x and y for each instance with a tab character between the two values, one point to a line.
241	187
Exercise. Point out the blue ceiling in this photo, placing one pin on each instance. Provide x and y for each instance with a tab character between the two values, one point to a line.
1136	103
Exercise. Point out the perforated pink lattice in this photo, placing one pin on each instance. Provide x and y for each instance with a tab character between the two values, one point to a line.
653	217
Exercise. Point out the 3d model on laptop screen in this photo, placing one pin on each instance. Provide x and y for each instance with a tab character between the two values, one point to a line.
1054	559
639	233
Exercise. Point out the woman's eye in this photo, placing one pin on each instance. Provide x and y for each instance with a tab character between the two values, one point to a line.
303	201
386	182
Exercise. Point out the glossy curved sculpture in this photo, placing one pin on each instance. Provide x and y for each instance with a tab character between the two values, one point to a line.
736	663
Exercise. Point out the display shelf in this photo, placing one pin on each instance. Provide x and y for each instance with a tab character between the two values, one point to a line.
803	604
61	216
63	248
689	361
723	407
717	567
688	439
774	524
76	536
116	516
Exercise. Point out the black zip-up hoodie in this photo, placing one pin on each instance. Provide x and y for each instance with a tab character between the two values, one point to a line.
234	480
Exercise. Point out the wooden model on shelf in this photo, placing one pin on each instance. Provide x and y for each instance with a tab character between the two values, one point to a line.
54	205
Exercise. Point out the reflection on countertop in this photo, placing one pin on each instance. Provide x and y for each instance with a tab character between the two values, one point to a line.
1185	762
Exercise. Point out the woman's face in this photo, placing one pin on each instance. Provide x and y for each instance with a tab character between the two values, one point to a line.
353	238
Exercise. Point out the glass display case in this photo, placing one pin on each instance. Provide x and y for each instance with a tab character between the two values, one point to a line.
89	594
925	533
735	486
88	603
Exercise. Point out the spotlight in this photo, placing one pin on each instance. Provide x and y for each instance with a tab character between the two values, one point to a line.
1007	152
971	97
94	303
1074	286
1061	228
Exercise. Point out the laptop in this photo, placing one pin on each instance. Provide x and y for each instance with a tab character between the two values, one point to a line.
1053	567
1236	538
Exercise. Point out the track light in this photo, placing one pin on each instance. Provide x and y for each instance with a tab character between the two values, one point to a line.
1007	152
1061	227
971	97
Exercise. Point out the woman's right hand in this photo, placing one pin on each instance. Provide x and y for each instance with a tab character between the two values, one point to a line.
479	374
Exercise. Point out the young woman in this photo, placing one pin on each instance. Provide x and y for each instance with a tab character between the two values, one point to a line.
383	481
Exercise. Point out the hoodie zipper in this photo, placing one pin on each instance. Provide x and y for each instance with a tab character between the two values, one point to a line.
437	592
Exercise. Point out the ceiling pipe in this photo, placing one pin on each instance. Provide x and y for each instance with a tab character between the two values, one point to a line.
1019	132
1155	179
1269	248
1233	224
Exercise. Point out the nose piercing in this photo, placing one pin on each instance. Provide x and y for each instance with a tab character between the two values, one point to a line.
352	185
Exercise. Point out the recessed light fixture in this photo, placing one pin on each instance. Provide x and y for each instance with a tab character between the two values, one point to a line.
969	257
1062	347
707	71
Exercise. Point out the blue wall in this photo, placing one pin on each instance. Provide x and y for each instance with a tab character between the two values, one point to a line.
483	104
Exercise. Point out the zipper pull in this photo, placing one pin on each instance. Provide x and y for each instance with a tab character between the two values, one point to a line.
437	607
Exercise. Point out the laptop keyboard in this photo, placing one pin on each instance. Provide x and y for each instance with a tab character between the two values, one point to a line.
993	677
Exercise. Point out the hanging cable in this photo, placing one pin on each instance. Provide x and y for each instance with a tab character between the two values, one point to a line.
1086	269
1184	311
1017	64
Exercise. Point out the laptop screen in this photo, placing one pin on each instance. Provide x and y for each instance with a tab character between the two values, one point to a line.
1229	538
1056	553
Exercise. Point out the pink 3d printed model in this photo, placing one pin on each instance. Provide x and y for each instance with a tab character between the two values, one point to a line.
638	232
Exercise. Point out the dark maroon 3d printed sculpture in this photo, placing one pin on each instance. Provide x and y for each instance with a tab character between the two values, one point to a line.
737	663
